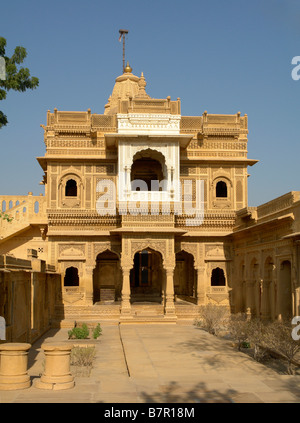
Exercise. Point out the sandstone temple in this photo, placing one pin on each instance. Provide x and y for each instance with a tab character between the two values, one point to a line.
114	237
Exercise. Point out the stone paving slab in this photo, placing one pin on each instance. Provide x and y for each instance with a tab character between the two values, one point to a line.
162	364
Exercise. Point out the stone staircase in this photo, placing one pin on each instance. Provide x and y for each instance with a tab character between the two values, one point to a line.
142	312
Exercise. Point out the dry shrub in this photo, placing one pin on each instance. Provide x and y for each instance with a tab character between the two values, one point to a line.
257	330
279	339
82	356
213	318
237	327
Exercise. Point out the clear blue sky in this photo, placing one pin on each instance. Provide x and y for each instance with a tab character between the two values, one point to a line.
220	56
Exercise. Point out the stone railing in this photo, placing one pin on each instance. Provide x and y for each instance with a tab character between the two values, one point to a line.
278	204
21	211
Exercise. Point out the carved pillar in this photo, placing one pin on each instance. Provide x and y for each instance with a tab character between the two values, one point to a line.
249	298
200	285
258	297
127	180
125	304
169	293
273	292
163	287
266	300
88	284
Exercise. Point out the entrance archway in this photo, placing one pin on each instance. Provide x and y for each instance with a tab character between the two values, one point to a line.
107	278
185	276
147	277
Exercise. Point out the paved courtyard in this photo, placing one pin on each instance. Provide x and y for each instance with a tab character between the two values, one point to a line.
158	363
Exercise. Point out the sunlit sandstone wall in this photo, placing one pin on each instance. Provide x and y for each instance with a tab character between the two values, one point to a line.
266	259
27	298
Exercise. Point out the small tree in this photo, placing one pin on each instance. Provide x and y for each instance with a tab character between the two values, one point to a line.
279	339
16	79
212	318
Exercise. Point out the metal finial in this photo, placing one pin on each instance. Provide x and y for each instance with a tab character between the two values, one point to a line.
123	32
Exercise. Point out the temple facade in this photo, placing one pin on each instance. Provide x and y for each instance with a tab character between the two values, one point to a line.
145	215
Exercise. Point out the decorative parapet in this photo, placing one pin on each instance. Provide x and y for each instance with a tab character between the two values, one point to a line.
212	221
148	221
149	106
211	124
83	219
82	123
148	124
278	204
279	208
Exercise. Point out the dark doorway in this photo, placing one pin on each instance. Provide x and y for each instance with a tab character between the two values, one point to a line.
107	278
146	277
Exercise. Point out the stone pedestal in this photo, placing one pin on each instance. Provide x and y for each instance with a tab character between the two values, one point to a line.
13	366
56	375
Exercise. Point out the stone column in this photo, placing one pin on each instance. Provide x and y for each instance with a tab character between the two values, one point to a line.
13	366
88	283
250	298
237	294
125	304
57	375
200	285
169	293
127	180
265	300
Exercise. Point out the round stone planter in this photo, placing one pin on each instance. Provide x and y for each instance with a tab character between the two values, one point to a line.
57	374
13	366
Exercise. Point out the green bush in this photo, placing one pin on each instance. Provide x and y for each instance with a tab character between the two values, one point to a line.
97	331
79	332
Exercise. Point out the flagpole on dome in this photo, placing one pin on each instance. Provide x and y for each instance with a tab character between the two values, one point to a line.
123	32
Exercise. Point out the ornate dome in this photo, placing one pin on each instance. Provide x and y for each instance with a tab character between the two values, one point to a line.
126	86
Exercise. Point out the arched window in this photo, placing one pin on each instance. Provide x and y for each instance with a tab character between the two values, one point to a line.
148	166
217	277
147	170
71	188
221	189
36	207
71	277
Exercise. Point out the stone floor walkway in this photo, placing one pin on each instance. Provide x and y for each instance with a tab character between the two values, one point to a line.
158	363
